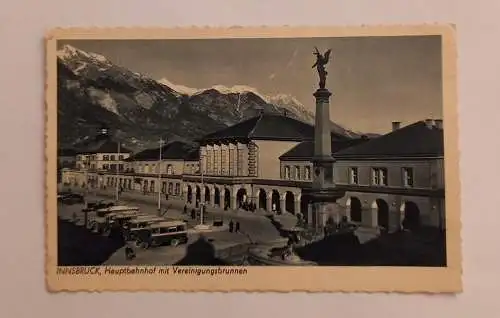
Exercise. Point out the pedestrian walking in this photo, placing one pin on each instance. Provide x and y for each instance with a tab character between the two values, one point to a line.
237	227
231	225
193	214
185	211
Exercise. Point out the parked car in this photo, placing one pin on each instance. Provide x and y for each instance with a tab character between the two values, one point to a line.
73	198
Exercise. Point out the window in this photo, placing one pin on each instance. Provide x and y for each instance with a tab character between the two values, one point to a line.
353	176
105	157
146	168
112	157
170	169
223	162
232	161
286	173
408	177
307	173
208	159
120	157
216	161
297	172
177	188
379	176
170	188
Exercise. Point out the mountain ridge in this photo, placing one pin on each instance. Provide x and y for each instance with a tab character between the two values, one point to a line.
95	92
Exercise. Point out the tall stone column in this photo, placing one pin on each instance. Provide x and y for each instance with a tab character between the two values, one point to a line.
282	205
234	202
296	206
269	203
323	191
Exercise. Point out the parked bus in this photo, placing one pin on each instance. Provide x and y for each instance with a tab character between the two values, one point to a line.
139	223
103	218
166	232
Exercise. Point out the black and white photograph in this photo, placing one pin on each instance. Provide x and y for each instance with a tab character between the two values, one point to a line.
242	152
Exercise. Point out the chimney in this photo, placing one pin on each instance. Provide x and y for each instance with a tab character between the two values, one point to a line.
438	123
429	123
396	125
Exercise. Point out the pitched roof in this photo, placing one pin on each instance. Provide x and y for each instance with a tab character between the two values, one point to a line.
100	143
192	155
413	141
305	150
265	127
268	127
172	150
104	146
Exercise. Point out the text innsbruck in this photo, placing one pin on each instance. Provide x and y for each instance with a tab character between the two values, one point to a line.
150	270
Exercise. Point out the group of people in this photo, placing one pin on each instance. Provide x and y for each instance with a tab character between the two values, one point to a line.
234	227
248	206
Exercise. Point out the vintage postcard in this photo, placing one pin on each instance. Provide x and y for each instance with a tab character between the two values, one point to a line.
316	159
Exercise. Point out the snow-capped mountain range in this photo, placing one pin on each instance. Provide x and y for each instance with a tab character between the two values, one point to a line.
94	92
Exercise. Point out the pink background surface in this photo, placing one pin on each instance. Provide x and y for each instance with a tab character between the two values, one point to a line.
22	26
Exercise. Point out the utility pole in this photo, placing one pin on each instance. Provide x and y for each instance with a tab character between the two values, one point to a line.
85	211
202	207
159	177
117	173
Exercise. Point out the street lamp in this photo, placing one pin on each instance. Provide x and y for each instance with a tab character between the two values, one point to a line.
159	177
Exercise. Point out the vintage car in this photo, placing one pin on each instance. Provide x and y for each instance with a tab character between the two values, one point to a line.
72	198
141	222
104	217
167	232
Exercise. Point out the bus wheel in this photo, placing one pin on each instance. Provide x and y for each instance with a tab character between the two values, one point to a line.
145	245
174	242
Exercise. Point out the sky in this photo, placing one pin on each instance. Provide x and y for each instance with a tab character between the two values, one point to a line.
374	80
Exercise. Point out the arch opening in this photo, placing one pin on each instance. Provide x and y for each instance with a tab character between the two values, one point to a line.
382	215
262	199
241	197
275	201
290	202
189	194
411	215
197	196
217	196
355	209
227	198
207	194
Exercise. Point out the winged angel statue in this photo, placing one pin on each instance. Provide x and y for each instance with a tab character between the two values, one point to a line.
321	61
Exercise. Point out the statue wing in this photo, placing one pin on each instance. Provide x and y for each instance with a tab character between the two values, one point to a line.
327	55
